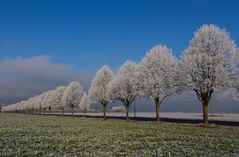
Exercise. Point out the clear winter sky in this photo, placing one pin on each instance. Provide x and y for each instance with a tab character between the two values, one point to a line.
44	44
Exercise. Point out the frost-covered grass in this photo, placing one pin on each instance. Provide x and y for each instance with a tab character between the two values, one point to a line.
22	135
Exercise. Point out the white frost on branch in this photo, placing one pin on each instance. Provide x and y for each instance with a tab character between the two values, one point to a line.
99	86
56	97
123	87
156	75
208	64
157	72
84	103
72	95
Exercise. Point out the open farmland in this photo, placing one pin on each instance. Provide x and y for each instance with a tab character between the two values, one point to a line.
32	135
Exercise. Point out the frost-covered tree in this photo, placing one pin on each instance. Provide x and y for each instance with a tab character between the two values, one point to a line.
157	72
72	95
123	87
56	98
208	64
99	86
84	103
31	105
42	100
22	106
47	101
34	105
38	102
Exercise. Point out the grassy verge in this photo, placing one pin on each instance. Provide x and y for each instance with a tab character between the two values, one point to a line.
32	135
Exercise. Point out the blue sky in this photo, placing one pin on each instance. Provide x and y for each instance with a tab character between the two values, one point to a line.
47	43
88	34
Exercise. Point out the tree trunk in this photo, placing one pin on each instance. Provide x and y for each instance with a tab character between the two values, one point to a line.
104	105
72	111
205	113
49	110
127	112
157	105
85	112
62	112
205	97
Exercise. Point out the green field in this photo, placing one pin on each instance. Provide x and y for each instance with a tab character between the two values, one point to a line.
32	135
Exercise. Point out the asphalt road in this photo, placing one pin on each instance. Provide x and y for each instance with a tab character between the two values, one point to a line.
184	118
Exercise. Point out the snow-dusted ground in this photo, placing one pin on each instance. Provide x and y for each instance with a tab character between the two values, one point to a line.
174	115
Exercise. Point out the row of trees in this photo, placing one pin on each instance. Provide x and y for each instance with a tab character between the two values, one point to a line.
208	65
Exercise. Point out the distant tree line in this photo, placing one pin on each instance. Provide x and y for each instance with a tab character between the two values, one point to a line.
208	65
